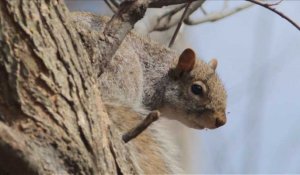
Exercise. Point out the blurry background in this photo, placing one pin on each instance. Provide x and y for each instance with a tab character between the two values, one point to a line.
259	63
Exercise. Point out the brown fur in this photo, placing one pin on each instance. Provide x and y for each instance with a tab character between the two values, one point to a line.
150	148
144	75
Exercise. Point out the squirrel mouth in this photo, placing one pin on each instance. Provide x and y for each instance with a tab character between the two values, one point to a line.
197	126
200	127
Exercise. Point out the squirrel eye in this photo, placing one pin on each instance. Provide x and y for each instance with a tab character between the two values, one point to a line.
197	89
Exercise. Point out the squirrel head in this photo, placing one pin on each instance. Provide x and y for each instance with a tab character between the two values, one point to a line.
195	95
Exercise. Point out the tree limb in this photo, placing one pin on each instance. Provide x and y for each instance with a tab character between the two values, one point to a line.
212	17
179	24
161	3
120	25
113	8
144	124
164	23
172	12
270	7
51	112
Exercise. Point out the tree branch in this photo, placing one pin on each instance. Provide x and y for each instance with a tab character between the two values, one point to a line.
161	3
270	7
115	3
212	17
172	12
52	117
120	25
164	23
179	24
276	3
113	8
144	124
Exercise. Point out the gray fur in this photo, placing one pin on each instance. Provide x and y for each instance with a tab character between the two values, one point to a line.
140	69
138	75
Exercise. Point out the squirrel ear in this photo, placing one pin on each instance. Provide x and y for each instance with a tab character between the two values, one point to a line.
186	61
213	63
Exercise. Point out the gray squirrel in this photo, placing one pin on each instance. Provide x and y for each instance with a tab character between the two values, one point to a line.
144	76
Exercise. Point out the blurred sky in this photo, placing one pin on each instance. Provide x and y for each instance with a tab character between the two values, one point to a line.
259	62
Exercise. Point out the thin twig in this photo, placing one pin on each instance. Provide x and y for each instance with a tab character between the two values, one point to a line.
203	10
134	132
166	24
115	3
167	17
119	26
111	6
179	24
212	17
276	3
171	13
268	6
161	3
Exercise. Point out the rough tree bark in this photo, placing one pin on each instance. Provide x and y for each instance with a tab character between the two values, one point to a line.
52	119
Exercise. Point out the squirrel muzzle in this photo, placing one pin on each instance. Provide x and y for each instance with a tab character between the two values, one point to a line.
220	120
212	120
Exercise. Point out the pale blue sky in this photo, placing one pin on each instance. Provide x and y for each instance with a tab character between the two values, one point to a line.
259	56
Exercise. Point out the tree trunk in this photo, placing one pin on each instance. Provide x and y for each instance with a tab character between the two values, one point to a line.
52	119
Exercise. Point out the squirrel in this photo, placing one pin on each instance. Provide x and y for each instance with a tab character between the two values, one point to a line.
181	87
145	76
188	91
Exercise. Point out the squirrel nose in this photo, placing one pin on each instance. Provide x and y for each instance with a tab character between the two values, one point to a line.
220	121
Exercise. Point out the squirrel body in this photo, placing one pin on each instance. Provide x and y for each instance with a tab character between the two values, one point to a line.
140	75
153	151
144	76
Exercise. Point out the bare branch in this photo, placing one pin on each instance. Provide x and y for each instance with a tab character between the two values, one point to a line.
276	3
115	3
172	12
134	132
167	20
203	10
269	7
212	17
179	24
120	25
166	23
161	3
111	6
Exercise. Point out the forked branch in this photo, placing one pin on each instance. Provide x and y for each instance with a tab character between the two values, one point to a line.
273	9
179	24
212	17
